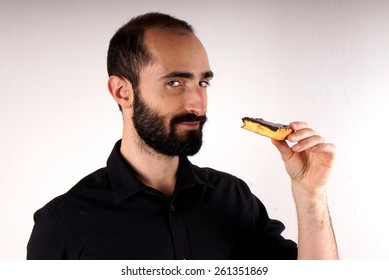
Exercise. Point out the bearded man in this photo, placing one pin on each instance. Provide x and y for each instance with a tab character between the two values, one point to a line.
150	202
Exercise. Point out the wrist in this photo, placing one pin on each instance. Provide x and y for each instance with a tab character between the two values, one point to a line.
307	191
308	197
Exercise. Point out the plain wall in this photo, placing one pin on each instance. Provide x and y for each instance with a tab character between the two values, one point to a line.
323	62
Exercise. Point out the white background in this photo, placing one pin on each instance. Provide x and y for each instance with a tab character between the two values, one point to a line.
324	62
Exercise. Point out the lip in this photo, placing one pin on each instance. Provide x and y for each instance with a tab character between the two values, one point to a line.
190	125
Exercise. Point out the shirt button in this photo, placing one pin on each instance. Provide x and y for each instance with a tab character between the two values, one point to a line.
172	208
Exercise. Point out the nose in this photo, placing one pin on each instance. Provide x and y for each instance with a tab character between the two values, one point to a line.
196	101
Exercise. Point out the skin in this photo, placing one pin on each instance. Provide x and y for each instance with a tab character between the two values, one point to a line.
309	163
176	82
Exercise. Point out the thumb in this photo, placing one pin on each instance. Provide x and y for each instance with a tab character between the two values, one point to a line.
284	149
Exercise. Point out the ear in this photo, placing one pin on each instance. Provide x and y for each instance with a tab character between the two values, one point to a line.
121	90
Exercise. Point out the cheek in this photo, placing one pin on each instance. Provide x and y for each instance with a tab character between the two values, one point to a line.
169	105
161	100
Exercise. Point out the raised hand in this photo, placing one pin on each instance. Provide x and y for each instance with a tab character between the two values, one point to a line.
310	160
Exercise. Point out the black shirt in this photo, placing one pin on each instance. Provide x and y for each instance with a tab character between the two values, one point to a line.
111	215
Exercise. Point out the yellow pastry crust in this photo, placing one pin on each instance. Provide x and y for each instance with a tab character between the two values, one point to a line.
265	128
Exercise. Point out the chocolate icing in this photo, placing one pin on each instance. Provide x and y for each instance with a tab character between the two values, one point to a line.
270	125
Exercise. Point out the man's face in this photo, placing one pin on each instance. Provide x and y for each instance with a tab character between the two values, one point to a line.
151	128
170	105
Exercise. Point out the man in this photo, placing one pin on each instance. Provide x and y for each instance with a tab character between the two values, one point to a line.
150	202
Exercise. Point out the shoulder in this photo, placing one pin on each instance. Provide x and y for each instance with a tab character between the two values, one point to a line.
213	175
62	226
229	186
91	187
221	180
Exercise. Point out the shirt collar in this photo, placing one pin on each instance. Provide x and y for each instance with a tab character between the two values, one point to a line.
125	184
189	175
120	174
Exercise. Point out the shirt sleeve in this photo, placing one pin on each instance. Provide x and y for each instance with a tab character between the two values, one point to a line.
274	245
48	238
271	245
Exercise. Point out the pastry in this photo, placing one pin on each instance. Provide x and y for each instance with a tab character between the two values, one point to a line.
272	130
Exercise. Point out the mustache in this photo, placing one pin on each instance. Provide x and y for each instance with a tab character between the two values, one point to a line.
188	118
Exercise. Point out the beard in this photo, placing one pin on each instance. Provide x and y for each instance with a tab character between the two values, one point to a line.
151	128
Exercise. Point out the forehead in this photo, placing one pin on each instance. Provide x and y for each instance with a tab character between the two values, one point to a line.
176	48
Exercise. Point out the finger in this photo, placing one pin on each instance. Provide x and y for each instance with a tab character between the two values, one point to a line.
298	125
299	135
308	143
284	149
324	148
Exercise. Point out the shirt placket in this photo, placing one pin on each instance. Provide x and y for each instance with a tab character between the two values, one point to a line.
180	236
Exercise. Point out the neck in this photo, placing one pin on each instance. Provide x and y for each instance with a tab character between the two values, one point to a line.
152	169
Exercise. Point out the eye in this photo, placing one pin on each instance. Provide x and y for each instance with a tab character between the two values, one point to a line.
174	83
204	84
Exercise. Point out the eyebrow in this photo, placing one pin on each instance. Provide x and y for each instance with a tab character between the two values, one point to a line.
187	75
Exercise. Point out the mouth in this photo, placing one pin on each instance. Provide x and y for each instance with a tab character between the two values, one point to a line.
194	125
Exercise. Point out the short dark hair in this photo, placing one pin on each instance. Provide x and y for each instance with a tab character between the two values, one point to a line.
127	53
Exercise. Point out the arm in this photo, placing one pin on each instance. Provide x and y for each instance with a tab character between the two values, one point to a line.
309	164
